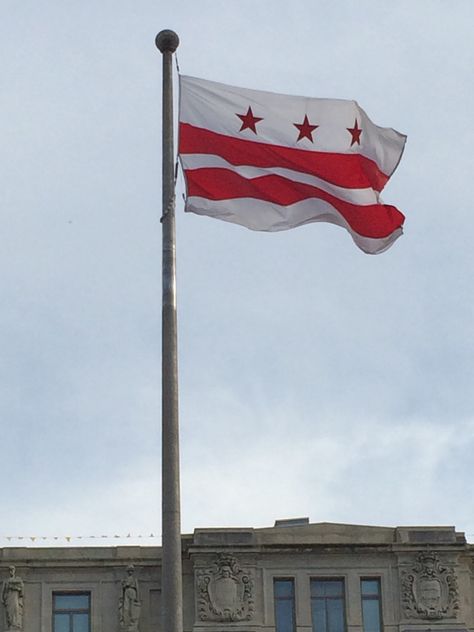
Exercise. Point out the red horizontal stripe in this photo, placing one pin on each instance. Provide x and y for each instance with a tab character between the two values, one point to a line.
375	220
352	171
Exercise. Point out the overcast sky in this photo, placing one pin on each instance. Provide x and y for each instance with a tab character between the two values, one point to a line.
315	380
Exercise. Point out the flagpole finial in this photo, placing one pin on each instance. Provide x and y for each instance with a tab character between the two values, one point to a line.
167	40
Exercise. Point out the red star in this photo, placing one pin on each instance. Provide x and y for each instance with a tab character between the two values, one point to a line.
356	132
249	121
306	130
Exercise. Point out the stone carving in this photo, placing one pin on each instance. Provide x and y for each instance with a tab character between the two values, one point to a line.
129	602
225	591
12	598
430	590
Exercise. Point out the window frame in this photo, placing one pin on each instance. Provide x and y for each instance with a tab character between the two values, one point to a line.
71	611
291	599
373	597
343	596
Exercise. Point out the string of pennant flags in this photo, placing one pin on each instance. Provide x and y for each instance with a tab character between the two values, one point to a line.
70	538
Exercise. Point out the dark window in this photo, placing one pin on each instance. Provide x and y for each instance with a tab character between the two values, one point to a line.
327	605
284	596
71	612
371	604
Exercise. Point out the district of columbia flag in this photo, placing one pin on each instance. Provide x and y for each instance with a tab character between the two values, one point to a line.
271	162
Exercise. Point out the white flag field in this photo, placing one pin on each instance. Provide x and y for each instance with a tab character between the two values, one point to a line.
272	162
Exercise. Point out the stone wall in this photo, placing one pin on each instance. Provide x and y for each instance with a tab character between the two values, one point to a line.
426	578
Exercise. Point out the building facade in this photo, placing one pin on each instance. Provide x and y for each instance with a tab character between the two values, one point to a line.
294	577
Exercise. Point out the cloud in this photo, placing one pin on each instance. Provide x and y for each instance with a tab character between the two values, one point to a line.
313	380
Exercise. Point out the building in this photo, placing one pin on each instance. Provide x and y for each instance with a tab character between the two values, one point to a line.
293	577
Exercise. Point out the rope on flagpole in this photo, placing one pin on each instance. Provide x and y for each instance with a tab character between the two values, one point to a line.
176	166
170	208
172	203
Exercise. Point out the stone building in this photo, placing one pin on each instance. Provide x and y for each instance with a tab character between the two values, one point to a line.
293	577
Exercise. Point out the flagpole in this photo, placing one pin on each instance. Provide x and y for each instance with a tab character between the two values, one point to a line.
171	571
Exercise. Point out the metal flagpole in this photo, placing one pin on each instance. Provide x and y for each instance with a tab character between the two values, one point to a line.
171	583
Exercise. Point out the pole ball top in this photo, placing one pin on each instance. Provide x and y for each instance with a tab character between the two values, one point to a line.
167	40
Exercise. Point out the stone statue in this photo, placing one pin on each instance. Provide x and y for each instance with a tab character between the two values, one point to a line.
12	598
129	602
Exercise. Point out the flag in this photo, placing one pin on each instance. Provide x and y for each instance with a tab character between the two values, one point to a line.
271	162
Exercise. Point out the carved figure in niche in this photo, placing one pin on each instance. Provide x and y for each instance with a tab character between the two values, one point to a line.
225	592
12	598
429	590
129	602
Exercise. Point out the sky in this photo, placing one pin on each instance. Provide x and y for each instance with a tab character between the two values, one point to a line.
315	380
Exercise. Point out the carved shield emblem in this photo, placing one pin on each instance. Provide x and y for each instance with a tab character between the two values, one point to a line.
430	594
225	591
429	589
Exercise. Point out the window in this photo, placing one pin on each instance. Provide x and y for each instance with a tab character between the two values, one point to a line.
155	608
284	597
327	605
371	604
71	612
